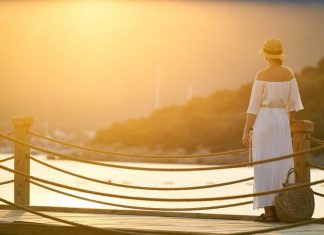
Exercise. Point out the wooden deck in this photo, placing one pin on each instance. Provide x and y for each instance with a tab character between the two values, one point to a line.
15	222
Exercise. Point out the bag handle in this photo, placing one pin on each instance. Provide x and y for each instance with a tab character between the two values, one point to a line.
290	171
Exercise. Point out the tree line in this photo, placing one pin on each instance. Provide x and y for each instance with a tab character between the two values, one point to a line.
212	123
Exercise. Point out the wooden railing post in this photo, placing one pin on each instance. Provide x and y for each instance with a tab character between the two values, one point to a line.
22	159
301	130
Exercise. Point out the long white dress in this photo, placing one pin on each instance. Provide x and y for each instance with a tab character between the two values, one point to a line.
271	136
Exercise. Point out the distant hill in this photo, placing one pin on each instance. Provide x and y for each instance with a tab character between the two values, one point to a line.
283	1
212	123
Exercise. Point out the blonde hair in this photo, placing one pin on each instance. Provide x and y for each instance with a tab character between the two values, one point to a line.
274	60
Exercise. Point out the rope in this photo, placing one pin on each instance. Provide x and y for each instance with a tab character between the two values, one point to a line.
315	149
138	155
10	133
182	169
7	159
317	141
267	230
98	230
315	165
164	199
140	187
318	194
6	182
115	231
140	207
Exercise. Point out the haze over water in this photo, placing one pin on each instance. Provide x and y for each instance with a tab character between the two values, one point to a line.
40	196
82	65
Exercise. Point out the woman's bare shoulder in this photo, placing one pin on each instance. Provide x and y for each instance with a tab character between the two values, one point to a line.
282	73
288	70
260	75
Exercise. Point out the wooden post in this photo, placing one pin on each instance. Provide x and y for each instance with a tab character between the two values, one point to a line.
22	159
301	130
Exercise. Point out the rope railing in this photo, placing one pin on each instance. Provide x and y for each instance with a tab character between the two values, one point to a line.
107	231
318	194
6	159
317	141
140	207
98	230
10	133
243	150
315	165
137	186
117	231
315	149
6	182
183	169
162	199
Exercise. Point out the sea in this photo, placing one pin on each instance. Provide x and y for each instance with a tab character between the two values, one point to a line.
43	197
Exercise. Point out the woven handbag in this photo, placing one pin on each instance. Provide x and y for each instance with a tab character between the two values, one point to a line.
294	205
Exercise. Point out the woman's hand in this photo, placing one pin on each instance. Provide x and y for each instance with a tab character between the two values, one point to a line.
250	118
246	139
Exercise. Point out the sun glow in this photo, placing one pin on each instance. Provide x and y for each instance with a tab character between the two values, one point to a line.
104	56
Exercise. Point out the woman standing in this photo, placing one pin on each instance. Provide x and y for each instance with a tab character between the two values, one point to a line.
274	100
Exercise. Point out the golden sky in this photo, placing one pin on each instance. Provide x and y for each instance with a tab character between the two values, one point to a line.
84	64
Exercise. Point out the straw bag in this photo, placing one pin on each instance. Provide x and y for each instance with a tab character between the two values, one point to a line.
294	205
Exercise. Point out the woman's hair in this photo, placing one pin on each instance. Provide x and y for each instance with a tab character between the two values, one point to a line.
275	60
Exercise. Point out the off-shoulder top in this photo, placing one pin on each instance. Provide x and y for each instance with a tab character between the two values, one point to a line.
284	94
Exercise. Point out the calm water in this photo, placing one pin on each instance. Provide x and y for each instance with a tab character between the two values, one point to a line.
41	196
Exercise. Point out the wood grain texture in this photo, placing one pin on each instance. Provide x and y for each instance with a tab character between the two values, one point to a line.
22	160
21	223
300	132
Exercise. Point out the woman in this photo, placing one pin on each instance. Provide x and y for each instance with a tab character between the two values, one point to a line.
274	100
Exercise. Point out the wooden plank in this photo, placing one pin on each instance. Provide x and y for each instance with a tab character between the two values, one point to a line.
137	212
145	224
94	211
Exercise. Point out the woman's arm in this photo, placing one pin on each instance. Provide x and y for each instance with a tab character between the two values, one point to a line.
253	108
250	118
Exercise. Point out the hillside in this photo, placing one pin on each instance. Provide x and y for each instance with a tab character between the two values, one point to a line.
211	123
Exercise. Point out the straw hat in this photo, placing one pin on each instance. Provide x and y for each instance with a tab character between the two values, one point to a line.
272	48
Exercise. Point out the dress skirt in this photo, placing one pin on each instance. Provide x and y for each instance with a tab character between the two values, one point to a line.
271	137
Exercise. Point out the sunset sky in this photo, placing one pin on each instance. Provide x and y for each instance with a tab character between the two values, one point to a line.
84	64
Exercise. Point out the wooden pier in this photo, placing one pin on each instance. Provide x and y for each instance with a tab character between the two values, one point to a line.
144	222
21	218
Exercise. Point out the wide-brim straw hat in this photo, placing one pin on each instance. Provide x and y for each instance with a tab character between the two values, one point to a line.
272	49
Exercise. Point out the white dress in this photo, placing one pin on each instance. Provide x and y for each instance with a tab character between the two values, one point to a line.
271	136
